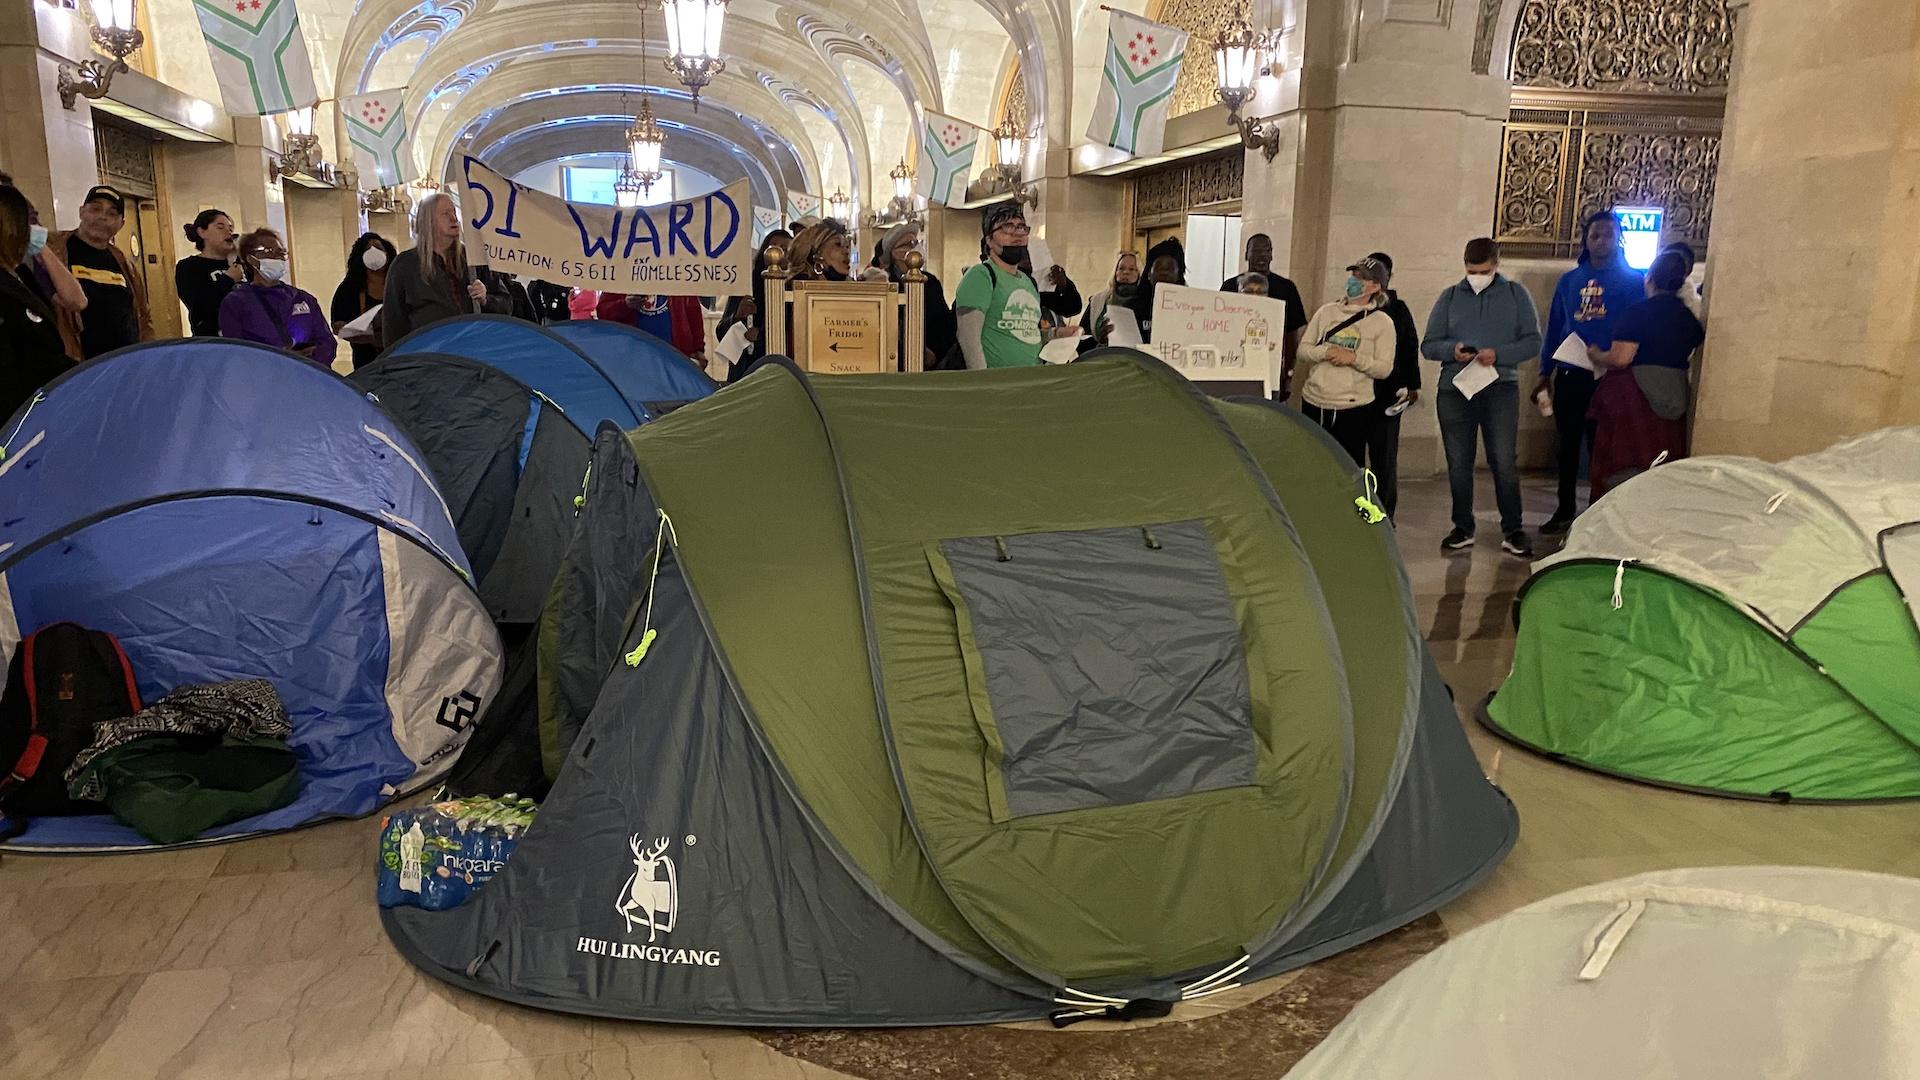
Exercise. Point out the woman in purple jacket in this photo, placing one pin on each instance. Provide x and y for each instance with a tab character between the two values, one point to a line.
268	310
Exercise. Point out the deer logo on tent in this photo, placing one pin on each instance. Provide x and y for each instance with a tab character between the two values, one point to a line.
651	895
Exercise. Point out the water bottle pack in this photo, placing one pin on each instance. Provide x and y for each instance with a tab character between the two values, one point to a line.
437	856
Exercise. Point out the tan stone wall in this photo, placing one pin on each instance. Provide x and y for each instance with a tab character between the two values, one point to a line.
1814	330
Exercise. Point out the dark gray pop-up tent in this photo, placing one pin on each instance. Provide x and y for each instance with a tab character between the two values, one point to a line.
504	411
968	697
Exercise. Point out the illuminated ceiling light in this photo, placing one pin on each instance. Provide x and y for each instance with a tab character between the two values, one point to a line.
1239	58
693	41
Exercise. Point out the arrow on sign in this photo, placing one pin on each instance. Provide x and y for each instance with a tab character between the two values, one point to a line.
835	347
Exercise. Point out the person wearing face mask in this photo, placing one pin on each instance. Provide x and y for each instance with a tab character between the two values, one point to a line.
362	289
203	280
1125	283
936	327
1485	320
268	310
997	305
42	273
1349	344
116	311
31	352
1586	302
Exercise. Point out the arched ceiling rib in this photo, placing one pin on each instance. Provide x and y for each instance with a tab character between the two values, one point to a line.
542	86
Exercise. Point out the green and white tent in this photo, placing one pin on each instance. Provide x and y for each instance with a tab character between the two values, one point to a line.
1734	626
967	697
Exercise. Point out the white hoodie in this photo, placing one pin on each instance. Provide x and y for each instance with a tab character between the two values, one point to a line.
1331	386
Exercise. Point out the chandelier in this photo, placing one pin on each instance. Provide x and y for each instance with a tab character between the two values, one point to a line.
693	41
645	140
629	190
839	206
115	30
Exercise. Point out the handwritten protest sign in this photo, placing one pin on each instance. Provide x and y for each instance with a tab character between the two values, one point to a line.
701	246
1218	337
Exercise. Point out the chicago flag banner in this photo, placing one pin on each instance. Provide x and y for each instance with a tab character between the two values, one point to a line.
1143	63
947	148
259	57
765	220
378	134
802	205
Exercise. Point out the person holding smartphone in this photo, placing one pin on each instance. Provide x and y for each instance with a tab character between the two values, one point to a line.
1486	320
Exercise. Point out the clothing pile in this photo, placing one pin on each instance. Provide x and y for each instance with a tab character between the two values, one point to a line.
200	757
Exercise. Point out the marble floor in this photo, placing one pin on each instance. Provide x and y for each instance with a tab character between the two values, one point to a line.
265	958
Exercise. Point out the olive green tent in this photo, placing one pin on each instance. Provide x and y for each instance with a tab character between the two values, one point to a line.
1737	627
969	696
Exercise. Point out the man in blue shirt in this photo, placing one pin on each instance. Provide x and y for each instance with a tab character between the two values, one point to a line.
1586	302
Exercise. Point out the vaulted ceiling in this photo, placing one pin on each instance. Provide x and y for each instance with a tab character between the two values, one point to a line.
816	95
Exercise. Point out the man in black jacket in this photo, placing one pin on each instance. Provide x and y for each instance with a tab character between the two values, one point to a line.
1260	261
1393	395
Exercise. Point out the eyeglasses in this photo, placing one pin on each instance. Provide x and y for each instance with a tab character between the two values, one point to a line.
1013	227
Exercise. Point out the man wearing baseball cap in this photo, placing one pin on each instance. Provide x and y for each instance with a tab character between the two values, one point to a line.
997	304
116	313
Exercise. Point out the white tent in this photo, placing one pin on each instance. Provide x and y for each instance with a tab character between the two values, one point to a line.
1735	972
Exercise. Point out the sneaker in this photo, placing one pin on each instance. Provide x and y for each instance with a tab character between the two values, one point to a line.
1557	525
1457	540
1517	544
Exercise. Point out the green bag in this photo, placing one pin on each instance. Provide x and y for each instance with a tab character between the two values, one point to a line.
172	788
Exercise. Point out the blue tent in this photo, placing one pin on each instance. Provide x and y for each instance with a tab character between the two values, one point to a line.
232	511
505	412
591	371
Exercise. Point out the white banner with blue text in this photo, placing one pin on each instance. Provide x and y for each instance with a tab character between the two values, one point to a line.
701	246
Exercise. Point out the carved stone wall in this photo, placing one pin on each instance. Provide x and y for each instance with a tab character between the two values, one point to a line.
1643	46
1615	102
1203	19
126	157
1165	195
1013	99
1560	165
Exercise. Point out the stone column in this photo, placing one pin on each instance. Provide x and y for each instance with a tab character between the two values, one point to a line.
1813	332
1387	141
48	148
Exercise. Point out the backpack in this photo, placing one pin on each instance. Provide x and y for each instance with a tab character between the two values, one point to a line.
63	678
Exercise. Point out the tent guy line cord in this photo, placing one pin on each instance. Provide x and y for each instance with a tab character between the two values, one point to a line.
661	537
38	397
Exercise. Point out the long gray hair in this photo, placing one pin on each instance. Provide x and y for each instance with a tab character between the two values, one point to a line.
431	266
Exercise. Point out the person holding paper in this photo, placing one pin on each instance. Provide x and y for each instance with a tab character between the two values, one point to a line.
1480	331
1349	344
1640	403
1586	302
268	310
997	305
205	278
362	289
1059	296
1166	265
1119	290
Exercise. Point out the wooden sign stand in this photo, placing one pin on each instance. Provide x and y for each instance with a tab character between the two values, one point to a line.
846	327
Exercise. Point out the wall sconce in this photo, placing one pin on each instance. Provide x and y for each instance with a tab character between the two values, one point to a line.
1010	144
384	200
115	30
1240	57
300	154
839	205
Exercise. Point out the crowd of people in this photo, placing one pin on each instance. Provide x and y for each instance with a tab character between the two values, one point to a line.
1615	353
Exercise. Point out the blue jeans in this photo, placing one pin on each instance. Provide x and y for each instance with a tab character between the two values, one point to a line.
1493	414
